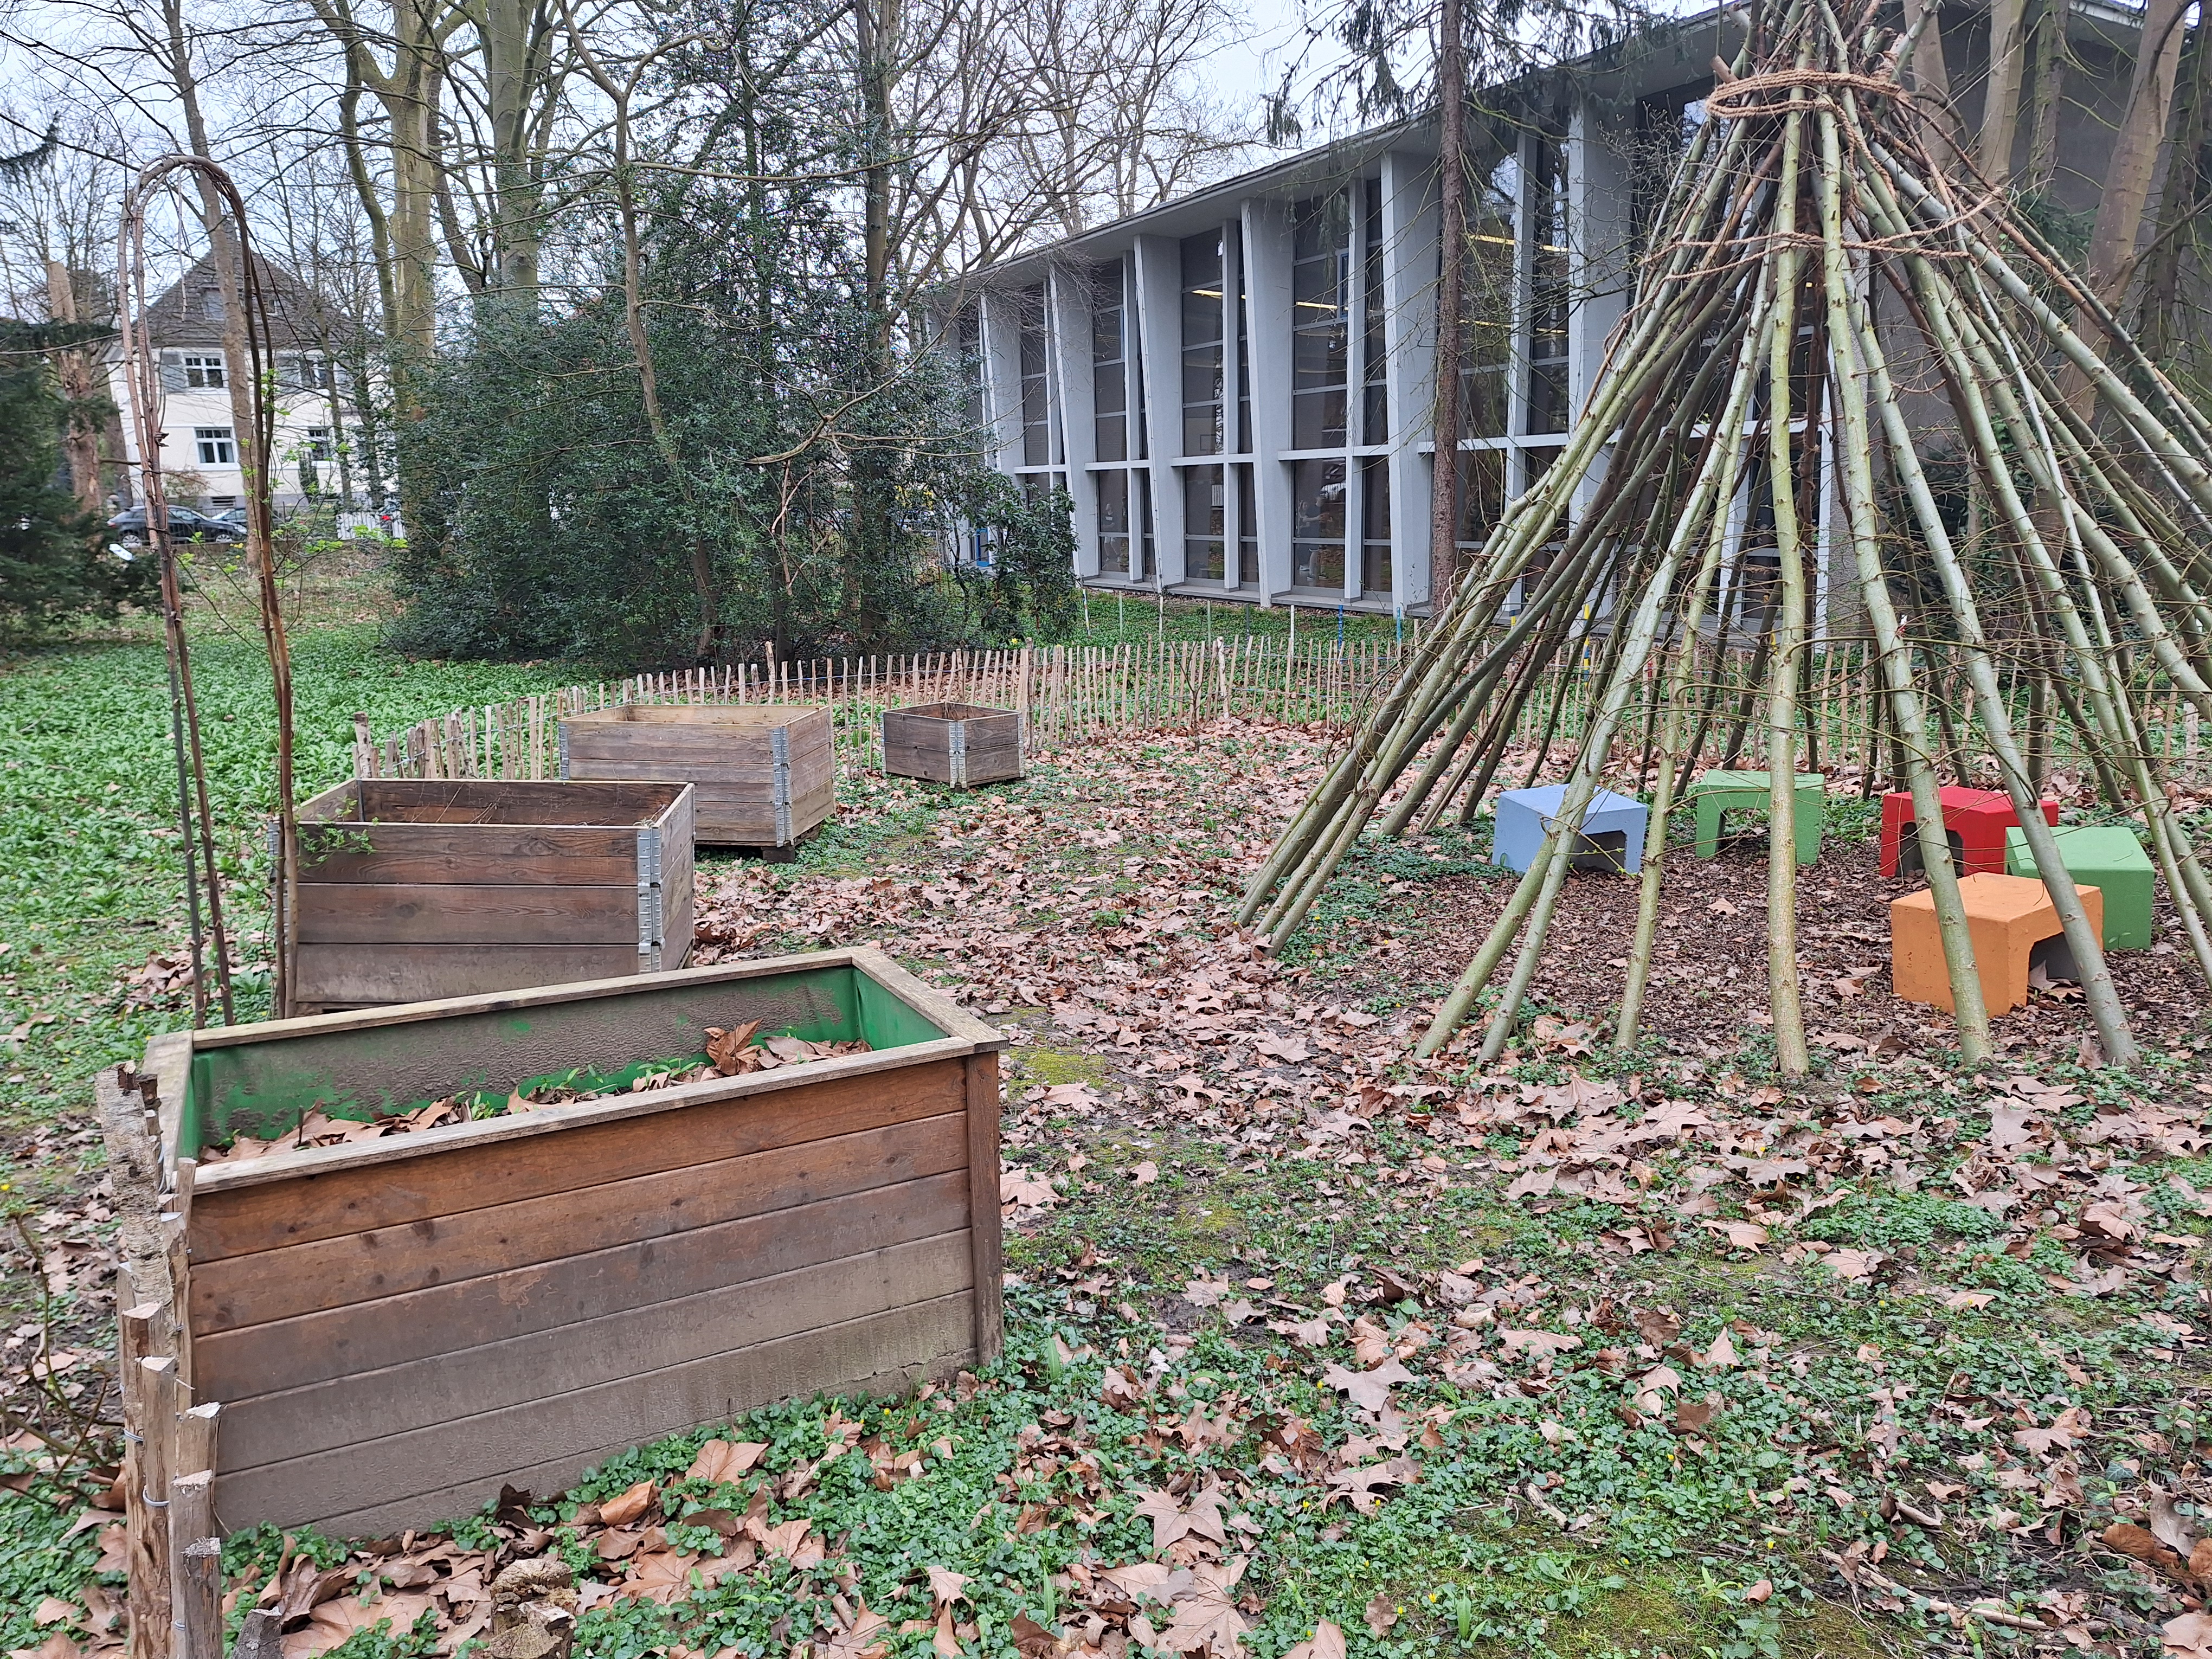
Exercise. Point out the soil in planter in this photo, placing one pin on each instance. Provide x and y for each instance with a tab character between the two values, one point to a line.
732	1053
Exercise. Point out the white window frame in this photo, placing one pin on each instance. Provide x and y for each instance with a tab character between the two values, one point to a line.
205	371
217	445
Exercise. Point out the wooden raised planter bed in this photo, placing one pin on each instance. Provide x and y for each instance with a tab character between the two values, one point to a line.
396	1328
766	773
414	889
957	743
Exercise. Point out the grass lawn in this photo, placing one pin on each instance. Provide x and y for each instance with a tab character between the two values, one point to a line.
1580	1353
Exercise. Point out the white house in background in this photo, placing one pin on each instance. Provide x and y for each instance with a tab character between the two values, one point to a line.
1236	389
319	423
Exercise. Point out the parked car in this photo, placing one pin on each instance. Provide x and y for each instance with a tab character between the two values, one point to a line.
128	526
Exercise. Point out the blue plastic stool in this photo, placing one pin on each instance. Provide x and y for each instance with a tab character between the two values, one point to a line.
1612	830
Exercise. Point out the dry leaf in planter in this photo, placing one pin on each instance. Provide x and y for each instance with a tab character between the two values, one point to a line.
726	1049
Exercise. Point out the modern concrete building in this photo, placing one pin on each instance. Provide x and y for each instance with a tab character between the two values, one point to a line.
1236	389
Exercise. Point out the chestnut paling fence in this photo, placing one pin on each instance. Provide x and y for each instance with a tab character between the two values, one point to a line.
1069	694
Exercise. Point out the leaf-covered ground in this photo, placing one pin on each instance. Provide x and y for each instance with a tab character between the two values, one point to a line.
1307	1344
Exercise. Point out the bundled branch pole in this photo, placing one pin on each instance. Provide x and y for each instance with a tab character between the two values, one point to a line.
1809	239
143	384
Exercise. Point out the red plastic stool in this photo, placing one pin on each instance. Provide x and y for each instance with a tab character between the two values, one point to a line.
1974	822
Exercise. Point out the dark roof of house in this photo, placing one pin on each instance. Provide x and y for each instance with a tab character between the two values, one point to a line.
190	311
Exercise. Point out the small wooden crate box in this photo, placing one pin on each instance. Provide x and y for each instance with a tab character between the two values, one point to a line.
398	1327
413	889
766	773
957	743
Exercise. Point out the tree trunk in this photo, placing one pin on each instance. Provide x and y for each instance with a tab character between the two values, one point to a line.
2135	151
2001	95
2047	54
2179	202
73	369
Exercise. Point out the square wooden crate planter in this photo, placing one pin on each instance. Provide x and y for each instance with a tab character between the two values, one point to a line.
398	1327
957	743
414	889
766	773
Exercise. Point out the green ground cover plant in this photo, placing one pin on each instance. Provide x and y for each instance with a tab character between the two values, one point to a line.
1584	1354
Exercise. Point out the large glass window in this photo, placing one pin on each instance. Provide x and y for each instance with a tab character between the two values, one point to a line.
1481	497
1547	285
1205	525
1113	523
1110	382
1202	345
1321	295
1247	529
971	367
1143	560
1037	421
1375	524
1487	308
1375	412
1242	440
1318	523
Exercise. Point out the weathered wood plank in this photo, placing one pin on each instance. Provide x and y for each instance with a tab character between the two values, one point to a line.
410	853
514	801
444	1173
983	1199
366	974
237	1291
476	1454
361	1407
545	1474
236	1365
560	912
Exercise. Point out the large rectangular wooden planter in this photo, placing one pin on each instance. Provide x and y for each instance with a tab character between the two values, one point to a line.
397	1327
412	889
955	743
766	773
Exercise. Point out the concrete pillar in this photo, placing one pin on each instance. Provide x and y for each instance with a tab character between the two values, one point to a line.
1068	318
1267	308
1598	232
1000	326
1409	265
1156	336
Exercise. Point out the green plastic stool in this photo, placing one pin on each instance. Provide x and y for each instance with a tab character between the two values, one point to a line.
1714	792
2108	858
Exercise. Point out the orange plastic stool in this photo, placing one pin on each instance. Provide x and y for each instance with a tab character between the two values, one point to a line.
2008	917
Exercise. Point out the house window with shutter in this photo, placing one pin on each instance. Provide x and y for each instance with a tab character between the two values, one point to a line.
218	448
204	369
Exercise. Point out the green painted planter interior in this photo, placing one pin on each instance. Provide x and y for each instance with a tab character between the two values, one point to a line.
266	1087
